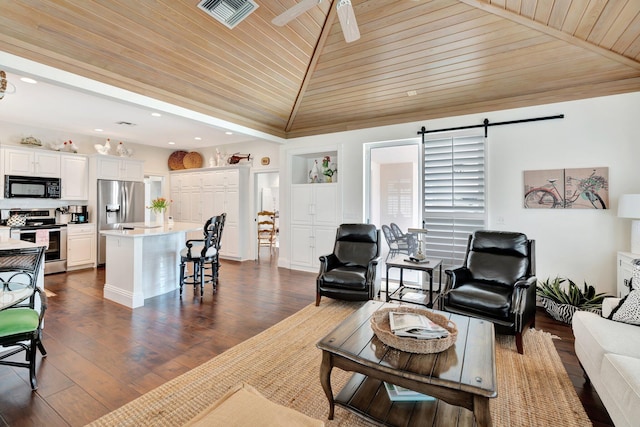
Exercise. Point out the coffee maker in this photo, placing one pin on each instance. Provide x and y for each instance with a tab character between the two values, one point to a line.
79	214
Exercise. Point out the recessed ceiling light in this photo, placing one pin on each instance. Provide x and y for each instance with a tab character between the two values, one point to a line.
229	133
172	143
98	130
28	80
412	93
197	138
156	114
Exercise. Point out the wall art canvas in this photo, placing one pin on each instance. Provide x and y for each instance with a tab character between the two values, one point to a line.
586	188
577	188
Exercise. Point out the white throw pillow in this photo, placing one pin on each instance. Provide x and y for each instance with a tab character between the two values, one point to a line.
628	311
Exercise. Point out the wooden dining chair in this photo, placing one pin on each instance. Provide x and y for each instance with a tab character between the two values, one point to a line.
266	231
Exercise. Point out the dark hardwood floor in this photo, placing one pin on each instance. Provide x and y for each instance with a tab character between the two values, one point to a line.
102	355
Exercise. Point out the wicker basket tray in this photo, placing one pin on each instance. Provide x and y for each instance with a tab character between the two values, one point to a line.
382	329
175	160
192	160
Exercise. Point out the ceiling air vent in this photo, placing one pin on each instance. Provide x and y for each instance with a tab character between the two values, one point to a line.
229	12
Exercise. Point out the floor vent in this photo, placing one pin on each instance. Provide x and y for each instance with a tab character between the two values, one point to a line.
229	12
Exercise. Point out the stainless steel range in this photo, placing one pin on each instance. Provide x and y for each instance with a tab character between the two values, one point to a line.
40	226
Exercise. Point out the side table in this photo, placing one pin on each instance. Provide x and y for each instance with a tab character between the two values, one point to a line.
403	290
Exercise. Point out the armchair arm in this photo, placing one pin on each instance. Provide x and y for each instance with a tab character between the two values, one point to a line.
372	279
525	282
524	295
328	262
372	269
457	276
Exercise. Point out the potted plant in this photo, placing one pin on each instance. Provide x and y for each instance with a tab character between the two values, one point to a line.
159	206
328	169
562	301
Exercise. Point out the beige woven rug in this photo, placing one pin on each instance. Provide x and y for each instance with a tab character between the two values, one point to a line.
283	364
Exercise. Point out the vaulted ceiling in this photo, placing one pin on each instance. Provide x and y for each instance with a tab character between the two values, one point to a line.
415	60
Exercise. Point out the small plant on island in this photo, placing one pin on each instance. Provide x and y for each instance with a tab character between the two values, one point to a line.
159	205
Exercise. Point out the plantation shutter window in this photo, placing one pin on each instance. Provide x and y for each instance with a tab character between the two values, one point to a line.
454	195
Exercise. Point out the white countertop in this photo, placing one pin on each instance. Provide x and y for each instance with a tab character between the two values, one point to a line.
16	244
141	229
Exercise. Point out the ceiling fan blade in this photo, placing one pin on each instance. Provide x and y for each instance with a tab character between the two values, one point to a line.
348	21
294	12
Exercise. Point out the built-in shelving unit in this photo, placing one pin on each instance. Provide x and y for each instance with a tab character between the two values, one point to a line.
303	164
315	208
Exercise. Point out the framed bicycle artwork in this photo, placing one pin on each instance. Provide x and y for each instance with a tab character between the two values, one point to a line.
577	188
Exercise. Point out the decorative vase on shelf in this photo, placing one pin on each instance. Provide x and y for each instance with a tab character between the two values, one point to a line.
160	217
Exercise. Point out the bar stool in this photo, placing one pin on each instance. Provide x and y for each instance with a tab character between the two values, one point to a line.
204	256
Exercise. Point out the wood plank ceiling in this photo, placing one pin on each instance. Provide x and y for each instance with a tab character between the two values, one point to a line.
454	57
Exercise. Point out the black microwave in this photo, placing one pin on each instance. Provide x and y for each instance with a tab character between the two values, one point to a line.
31	187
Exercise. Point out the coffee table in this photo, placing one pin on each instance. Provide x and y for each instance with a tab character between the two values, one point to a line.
462	378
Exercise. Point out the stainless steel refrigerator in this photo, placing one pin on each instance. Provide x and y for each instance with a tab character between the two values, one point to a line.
118	202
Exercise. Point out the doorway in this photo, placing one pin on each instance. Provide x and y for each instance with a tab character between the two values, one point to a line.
266	198
392	191
153	188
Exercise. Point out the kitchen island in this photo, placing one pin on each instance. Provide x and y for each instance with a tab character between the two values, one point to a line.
143	260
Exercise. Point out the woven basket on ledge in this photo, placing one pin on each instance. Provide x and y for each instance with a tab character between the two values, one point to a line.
382	329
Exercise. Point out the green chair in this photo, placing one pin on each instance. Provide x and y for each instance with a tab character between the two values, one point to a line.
21	322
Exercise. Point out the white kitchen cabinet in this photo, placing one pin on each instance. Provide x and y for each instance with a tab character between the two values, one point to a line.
205	193
187	191
81	246
5	233
175	193
314	221
74	176
228	185
625	272
31	162
118	168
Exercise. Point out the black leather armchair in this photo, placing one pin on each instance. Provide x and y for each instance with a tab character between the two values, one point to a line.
497	282
350	272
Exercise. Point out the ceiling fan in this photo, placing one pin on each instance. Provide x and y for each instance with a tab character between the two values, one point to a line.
345	14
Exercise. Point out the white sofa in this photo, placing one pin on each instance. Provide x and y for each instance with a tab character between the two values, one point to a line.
609	352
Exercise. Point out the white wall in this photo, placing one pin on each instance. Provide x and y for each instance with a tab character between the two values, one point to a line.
579	244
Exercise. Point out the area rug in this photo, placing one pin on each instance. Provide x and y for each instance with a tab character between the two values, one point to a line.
283	364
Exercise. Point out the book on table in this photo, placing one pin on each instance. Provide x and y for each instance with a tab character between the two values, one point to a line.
415	325
401	394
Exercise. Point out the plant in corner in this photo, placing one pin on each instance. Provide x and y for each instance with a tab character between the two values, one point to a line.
562	301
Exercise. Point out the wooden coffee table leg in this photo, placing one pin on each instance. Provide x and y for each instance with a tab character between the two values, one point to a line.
325	380
481	411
